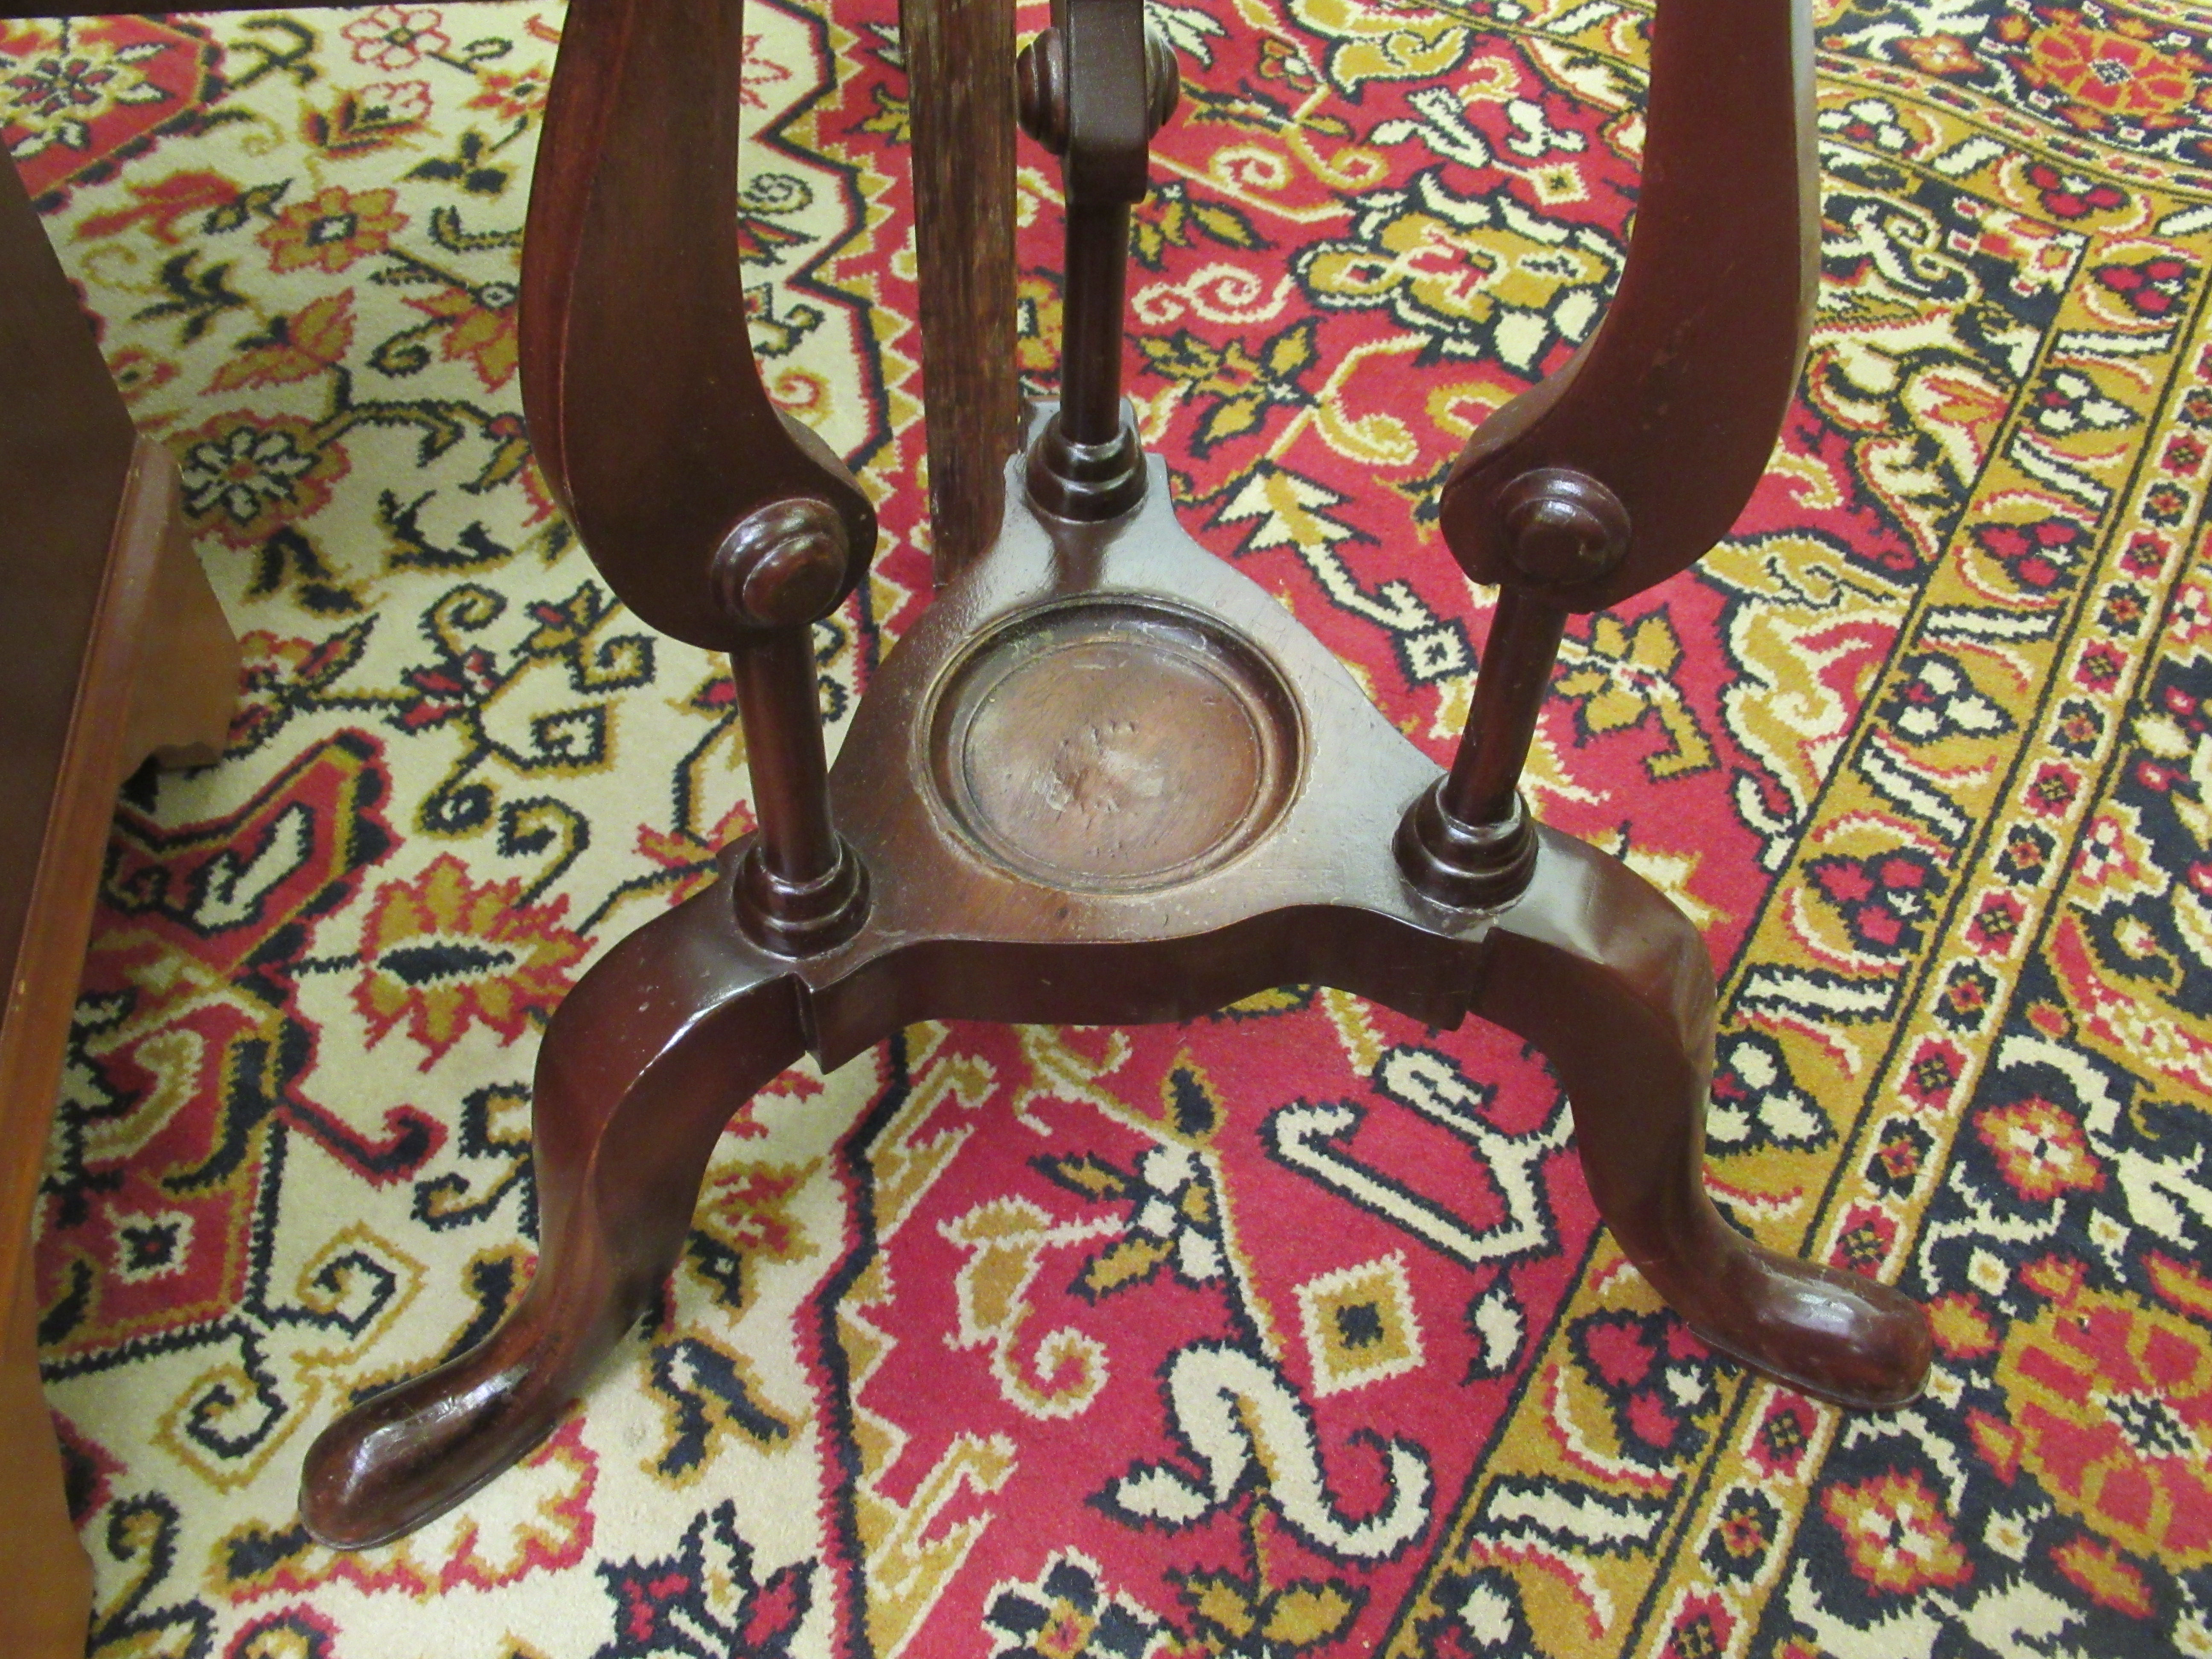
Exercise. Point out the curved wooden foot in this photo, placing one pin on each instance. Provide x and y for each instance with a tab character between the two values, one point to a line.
647	1059
1596	969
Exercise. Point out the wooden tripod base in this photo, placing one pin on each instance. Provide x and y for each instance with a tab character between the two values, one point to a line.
1105	779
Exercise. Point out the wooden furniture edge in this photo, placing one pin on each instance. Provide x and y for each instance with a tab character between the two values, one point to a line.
46	1592
158	674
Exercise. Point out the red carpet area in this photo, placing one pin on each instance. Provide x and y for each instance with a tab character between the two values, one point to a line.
1291	1332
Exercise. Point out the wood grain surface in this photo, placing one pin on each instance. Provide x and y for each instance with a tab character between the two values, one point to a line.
960	68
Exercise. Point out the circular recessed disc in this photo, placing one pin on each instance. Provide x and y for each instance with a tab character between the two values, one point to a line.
1114	745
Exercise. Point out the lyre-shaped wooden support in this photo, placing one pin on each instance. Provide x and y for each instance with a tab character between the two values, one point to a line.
649	418
1621	469
1106	778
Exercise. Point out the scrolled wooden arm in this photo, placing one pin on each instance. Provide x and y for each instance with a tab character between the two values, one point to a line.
1673	405
644	404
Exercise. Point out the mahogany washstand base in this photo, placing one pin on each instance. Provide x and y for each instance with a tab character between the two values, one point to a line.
1044	873
1106	779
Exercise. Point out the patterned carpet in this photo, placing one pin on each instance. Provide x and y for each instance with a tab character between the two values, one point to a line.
1289	1332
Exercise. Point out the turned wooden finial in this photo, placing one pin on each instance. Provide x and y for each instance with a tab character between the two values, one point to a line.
786	564
1563	526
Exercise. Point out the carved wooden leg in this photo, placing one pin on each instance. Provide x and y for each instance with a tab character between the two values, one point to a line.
1596	969
646	1061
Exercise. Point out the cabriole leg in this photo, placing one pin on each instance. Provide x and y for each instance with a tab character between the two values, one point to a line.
1596	969
651	1054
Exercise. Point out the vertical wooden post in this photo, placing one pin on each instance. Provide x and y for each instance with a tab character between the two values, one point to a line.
960	76
1509	695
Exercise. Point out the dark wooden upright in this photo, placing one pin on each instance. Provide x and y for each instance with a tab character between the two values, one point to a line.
112	646
1106	778
960	89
